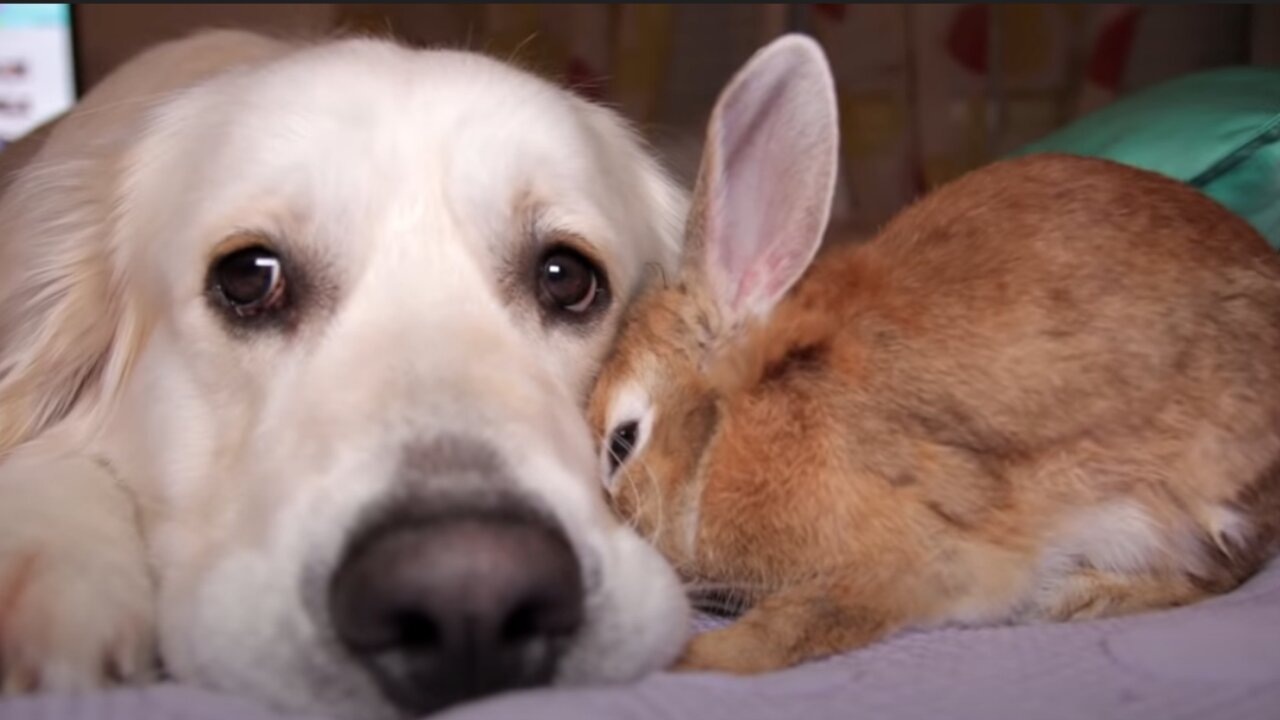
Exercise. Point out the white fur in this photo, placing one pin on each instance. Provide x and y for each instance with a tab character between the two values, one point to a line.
400	177
1229	529
631	403
1119	536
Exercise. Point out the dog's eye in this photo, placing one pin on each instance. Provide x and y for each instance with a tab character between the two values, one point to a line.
621	442
251	280
569	282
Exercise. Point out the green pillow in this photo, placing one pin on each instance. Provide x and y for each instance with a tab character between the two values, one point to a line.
1217	130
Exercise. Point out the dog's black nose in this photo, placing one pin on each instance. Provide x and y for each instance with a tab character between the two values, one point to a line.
447	609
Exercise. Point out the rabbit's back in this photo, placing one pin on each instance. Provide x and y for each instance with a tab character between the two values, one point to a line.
1047	338
1051	293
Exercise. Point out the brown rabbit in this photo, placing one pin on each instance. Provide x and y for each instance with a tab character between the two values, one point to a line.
1048	390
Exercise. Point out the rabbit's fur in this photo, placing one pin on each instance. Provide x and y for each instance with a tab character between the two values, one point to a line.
1048	390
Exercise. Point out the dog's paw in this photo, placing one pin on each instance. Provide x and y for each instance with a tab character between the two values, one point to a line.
77	607
73	624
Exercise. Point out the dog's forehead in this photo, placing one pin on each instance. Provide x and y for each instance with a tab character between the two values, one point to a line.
389	105
360	127
357	145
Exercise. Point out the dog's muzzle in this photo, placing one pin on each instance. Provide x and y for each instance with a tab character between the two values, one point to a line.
459	591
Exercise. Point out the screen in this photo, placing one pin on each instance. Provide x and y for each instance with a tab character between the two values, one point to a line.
37	66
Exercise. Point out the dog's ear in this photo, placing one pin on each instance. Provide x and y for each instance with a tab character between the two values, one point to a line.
68	331
62	319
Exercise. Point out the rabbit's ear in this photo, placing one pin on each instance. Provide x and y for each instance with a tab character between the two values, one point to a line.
768	175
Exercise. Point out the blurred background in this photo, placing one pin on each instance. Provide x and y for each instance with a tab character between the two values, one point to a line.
927	91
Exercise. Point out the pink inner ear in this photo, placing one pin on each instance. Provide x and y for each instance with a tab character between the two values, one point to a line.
769	194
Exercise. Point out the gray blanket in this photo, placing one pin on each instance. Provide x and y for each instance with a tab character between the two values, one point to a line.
1219	660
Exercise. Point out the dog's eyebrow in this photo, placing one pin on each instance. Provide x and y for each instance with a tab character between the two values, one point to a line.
574	241
544	227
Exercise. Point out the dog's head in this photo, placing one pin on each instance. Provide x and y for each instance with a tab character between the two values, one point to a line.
356	297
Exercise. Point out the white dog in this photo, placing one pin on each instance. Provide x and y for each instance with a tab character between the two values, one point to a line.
293	345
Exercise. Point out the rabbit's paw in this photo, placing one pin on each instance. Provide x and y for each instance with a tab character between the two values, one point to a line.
737	649
795	625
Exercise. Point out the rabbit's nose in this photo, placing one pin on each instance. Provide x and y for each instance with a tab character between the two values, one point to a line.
447	609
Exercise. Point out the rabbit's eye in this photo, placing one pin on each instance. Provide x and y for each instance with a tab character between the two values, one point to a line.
621	442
